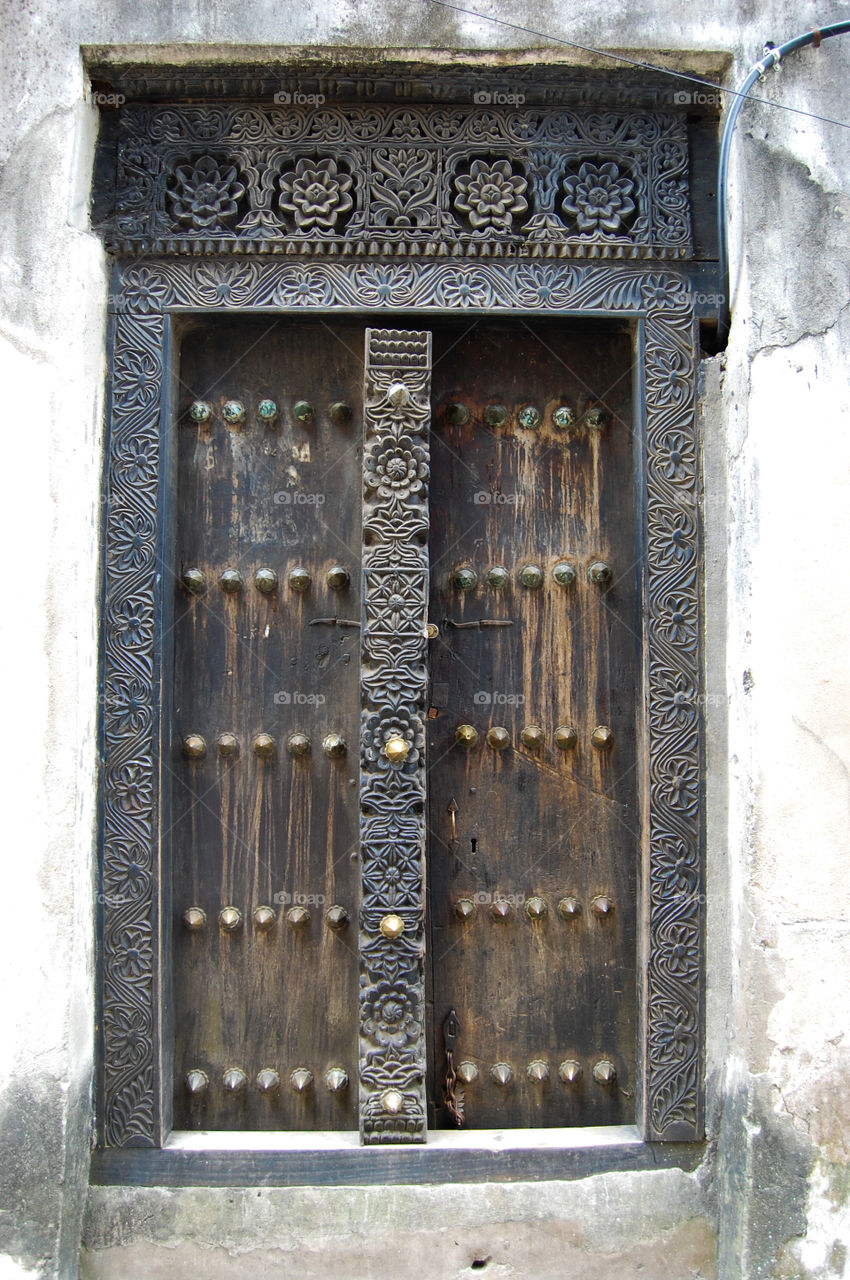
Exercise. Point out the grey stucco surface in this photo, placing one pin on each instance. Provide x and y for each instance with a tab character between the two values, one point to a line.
772	1197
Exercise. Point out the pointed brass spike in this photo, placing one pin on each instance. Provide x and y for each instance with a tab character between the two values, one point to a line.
467	1072
196	1082
566	737
297	917
264	918
298	744
604	1072
194	919
392	1101
263	746
602	905
194	746
466	735
570	1071
267	1079
301	1079
599	573
538	1071
536	907
602	737
533	737
501	909
230	580
234	1079
336	1080
498	738
453	816
230	918
333	745
337	917
569	908
228	745
501	1073
265	580
396	750
464	908
392	926
194	581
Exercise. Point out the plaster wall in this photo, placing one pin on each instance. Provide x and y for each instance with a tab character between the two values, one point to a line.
772	1197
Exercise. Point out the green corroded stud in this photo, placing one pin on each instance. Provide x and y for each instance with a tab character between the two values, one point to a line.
531	576
233	412
563	418
299	579
267	410
564	574
529	417
498	577
200	412
303	412
457	415
465	578
495	415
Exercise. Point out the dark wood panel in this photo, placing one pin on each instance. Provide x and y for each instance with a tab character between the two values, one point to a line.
278	831
534	822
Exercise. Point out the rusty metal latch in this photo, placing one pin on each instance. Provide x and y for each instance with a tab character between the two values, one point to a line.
451	1031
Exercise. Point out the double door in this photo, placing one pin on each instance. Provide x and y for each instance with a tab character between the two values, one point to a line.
509	740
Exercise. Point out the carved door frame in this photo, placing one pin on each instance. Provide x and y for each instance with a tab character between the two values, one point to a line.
148	297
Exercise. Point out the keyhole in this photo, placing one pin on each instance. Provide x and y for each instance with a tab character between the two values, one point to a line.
474	843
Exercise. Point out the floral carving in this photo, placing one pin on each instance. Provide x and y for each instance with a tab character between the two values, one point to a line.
316	194
389	1014
599	198
396	469
206	195
490	195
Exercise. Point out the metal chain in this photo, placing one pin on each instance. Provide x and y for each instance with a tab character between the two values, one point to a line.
451	1031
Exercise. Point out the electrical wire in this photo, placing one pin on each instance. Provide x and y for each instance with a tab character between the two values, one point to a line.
634	62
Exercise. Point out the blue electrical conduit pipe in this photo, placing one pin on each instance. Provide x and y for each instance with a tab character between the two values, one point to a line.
771	58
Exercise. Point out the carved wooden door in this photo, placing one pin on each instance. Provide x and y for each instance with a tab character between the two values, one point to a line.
341	706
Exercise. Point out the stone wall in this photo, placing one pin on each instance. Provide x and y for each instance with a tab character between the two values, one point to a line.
772	1195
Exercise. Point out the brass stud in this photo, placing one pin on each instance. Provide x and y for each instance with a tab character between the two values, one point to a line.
234	1079
500	909
265	580
536	907
264	918
228	745
230	918
337	917
340	413
498	577
196	1082
569	908
466	735
194	919
498	738
566	737
396	750
533	737
297	917
301	1079
564	574
457	415
529	417
602	905
464	909
267	410
299	579
570	1071
501	1073
465	578
595	419
392	926
338	578
333	745
267	1080
563	417
398	395
336	1079
602	737
230	581
233	412
393	1102
432	631
467	1072
194	581
599	573
200	412
537	1071
263	745
495	415
298	744
604	1072
194	746
531	576
303	412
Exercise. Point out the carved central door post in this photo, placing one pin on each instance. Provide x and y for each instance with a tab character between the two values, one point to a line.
396	422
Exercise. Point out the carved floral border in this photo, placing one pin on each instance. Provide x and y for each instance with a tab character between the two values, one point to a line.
672	958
